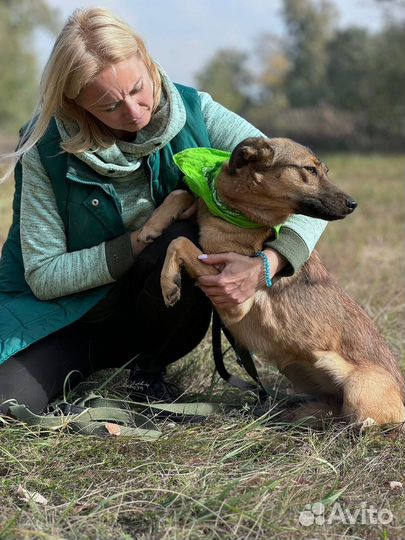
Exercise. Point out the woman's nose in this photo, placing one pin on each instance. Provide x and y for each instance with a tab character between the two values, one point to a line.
132	107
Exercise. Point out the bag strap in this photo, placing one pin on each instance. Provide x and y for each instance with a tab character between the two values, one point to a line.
89	422
96	415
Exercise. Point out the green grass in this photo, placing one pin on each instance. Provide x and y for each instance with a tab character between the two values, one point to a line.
232	476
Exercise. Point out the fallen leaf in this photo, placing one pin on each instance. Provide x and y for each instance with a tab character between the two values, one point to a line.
29	496
113	429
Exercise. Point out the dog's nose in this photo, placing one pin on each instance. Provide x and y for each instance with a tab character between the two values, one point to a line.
351	204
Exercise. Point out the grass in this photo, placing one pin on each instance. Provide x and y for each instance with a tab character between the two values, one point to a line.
233	476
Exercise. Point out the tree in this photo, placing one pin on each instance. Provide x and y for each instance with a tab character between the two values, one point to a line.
387	102
350	70
18	63
329	88
274	69
310	28
395	9
226	78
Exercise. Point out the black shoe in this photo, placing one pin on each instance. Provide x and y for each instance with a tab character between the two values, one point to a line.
145	386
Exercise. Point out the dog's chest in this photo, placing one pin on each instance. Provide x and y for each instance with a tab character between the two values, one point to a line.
219	236
260	330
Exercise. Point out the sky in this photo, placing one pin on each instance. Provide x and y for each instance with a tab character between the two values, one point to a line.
183	35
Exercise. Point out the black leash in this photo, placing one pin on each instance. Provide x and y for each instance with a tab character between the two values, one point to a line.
243	357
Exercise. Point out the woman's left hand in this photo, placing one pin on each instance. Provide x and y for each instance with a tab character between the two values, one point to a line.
239	278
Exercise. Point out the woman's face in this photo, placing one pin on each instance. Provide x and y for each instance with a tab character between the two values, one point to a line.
120	96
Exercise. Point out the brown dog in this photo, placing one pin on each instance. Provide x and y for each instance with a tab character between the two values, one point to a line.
305	324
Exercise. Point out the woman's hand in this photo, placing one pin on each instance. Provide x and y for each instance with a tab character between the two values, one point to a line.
239	278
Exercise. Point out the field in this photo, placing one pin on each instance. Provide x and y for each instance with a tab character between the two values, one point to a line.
234	476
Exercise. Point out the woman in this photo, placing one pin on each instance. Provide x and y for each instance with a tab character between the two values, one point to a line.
78	291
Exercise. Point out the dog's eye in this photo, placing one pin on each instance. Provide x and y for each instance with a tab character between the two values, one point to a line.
311	170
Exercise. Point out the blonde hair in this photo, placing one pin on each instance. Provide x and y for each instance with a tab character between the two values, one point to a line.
91	40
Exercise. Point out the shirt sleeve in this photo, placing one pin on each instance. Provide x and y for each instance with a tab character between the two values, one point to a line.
225	128
50	270
299	234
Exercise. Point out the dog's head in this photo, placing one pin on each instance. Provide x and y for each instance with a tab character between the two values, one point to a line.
287	178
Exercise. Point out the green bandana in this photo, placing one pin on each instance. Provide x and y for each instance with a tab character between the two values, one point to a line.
201	167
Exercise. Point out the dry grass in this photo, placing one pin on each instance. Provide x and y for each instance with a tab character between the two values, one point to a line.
367	251
232	476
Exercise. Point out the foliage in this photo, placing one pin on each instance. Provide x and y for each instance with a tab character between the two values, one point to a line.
18	81
309	28
322	86
387	104
351	59
228	75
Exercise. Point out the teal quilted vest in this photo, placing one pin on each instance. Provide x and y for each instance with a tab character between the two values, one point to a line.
23	318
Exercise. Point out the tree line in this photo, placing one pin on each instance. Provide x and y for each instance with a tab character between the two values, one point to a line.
323	86
326	87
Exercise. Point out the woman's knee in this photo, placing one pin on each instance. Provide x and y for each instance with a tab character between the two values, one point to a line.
38	374
19	384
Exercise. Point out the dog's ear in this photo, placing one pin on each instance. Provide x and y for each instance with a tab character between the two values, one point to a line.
248	151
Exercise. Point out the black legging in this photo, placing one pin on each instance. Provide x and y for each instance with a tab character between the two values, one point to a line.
140	324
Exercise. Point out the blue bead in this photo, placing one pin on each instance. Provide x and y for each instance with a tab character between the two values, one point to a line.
266	264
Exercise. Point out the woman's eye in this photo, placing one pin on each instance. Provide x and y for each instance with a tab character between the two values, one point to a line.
311	170
111	109
136	90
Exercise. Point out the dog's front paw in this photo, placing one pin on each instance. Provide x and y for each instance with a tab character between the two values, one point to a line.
171	290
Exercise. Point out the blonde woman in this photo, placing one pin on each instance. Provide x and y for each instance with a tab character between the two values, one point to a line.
78	291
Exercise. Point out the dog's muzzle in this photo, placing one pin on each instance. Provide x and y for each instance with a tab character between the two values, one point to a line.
328	208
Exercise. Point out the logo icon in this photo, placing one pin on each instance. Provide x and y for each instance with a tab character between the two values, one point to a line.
312	513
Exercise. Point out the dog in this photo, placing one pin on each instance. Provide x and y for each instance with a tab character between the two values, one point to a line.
305	324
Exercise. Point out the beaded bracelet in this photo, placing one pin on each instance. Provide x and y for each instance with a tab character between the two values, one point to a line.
266	264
